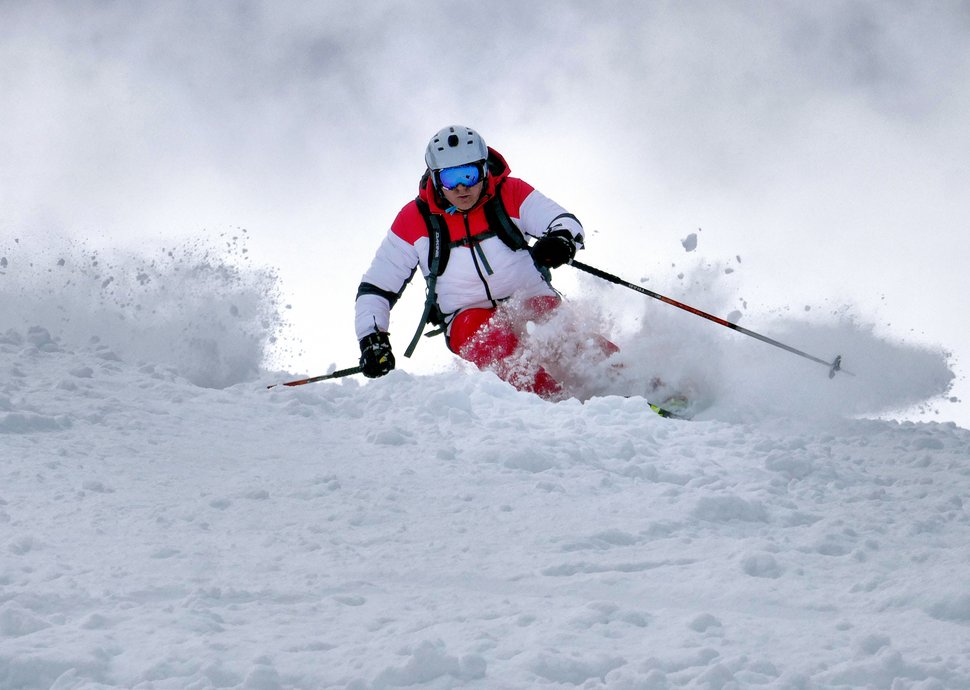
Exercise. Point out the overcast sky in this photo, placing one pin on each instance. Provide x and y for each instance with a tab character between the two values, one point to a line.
825	144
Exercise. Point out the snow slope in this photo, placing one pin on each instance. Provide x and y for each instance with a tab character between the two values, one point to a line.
167	522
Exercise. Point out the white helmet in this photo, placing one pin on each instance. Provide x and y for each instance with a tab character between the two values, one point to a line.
455	145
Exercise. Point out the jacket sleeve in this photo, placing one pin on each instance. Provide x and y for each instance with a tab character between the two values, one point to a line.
537	215
382	284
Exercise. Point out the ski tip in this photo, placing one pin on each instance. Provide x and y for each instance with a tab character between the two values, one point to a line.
667	414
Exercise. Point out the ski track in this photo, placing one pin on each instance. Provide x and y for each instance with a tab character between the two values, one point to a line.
444	531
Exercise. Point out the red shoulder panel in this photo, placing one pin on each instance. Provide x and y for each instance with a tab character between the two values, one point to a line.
409	224
514	192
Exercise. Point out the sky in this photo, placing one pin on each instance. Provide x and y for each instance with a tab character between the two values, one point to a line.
818	154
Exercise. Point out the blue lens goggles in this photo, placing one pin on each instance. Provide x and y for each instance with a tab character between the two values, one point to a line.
468	175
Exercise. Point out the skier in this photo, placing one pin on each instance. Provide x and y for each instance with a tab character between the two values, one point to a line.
467	232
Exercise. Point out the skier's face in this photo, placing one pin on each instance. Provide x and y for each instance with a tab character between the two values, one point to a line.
464	198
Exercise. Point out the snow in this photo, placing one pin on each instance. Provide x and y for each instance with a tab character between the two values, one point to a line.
168	522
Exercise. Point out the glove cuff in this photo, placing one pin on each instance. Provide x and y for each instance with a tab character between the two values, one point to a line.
377	338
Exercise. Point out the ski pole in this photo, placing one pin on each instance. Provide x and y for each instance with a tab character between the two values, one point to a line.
833	366
313	379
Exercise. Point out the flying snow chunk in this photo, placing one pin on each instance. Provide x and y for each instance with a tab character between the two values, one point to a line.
690	242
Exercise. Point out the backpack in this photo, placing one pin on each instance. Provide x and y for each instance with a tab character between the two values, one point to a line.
439	248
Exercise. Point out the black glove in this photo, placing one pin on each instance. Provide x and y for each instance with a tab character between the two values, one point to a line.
554	249
376	358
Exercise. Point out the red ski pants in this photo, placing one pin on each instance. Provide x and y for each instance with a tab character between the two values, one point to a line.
488	337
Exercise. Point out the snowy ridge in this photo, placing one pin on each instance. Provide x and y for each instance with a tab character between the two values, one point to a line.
445	531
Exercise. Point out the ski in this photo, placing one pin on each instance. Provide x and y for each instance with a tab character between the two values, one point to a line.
668	414
675	407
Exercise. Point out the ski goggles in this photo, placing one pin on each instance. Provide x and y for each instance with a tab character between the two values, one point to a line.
468	175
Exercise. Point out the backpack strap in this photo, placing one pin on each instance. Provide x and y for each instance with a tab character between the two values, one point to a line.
499	220
438	250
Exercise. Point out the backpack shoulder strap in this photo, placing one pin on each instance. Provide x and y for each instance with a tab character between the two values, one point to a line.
438	250
438	238
499	220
